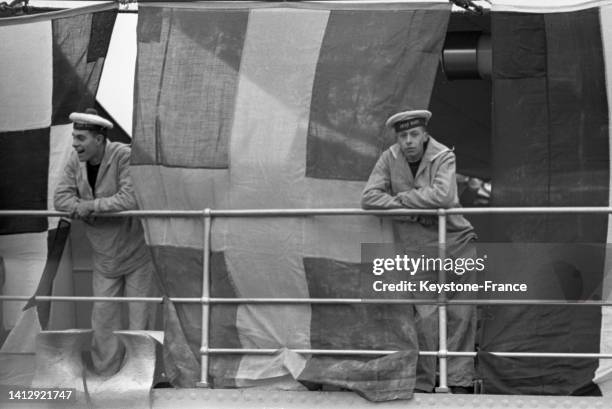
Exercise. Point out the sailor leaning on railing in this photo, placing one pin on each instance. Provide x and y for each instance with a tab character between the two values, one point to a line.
97	180
418	172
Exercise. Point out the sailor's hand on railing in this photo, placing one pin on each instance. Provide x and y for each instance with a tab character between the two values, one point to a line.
403	200
83	210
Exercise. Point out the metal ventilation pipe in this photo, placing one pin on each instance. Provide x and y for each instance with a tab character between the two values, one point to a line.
467	55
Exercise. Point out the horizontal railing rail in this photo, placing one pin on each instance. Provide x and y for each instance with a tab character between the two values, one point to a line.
301	301
367	352
323	212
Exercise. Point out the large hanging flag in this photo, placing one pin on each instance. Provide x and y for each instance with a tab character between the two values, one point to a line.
277	106
50	66
551	69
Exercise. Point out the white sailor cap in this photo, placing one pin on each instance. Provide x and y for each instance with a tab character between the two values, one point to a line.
408	119
90	121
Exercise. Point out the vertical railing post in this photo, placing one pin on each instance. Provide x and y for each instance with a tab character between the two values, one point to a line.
207	219
442	347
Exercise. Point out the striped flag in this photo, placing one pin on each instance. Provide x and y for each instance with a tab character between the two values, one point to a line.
278	106
50	66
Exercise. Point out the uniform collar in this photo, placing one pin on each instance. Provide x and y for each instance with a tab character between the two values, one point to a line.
106	157
103	165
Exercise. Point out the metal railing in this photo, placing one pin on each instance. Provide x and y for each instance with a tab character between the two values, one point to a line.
442	302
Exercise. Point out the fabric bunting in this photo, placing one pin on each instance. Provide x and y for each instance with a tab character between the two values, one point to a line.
278	107
550	148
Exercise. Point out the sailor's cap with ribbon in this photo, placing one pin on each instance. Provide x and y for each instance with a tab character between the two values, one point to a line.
408	119
90	121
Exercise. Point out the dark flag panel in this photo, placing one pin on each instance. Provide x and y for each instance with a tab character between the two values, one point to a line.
550	148
184	99
24	163
351	101
80	44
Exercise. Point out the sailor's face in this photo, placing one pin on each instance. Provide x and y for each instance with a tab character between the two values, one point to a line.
411	142
87	144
